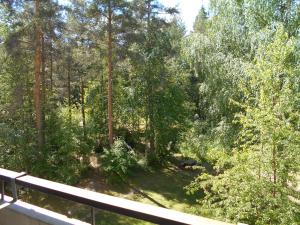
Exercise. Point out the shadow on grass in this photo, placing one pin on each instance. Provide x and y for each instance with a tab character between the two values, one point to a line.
164	186
168	182
105	218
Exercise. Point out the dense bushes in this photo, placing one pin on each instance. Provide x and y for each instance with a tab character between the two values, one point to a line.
63	157
118	160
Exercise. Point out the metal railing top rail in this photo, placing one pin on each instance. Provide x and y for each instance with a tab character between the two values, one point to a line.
117	205
8	175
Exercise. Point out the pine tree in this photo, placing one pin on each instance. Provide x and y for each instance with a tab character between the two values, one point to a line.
38	78
201	21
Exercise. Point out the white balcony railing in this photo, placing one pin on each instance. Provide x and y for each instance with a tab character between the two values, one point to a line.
12	209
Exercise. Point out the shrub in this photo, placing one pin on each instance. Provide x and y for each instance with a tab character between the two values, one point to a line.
120	159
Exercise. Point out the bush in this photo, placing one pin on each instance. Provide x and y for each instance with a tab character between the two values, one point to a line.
60	160
120	159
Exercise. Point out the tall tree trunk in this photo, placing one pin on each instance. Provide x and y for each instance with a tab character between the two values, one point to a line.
110	71
69	86
43	79
151	118
150	85
83	107
51	68
37	86
102	113
274	168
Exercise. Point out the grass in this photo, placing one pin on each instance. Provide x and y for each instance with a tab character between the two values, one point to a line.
166	187
163	185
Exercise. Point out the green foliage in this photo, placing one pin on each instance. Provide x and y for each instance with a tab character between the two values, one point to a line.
226	94
198	144
96	115
118	160
169	119
213	83
193	143
255	189
64	157
200	23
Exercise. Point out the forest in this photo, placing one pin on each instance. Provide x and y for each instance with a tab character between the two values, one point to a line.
211	116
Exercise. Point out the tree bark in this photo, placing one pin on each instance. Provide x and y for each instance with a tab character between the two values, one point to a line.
37	86
83	107
150	85
43	79
102	113
51	69
274	168
69	85
110	71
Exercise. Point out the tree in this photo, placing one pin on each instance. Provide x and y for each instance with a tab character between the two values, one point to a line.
38	79
110	73
114	27
157	78
201	20
255	184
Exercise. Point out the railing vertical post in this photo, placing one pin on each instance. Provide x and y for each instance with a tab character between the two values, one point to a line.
93	216
2	190
14	190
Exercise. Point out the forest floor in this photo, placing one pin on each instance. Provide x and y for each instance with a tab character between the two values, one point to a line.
163	187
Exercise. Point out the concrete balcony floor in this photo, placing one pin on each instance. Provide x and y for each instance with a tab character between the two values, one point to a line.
21	213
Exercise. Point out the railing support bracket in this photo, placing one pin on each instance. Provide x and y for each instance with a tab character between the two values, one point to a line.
2	190
93	216
14	188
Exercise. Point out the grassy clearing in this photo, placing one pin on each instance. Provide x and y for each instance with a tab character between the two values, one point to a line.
162	185
166	187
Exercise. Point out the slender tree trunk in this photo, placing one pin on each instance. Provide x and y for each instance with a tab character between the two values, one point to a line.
37	86
83	107
150	86
110	71
151	120
43	78
69	87
102	113
274	165
260	157
43	74
51	69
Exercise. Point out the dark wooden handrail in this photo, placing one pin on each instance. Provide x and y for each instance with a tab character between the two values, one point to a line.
117	205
